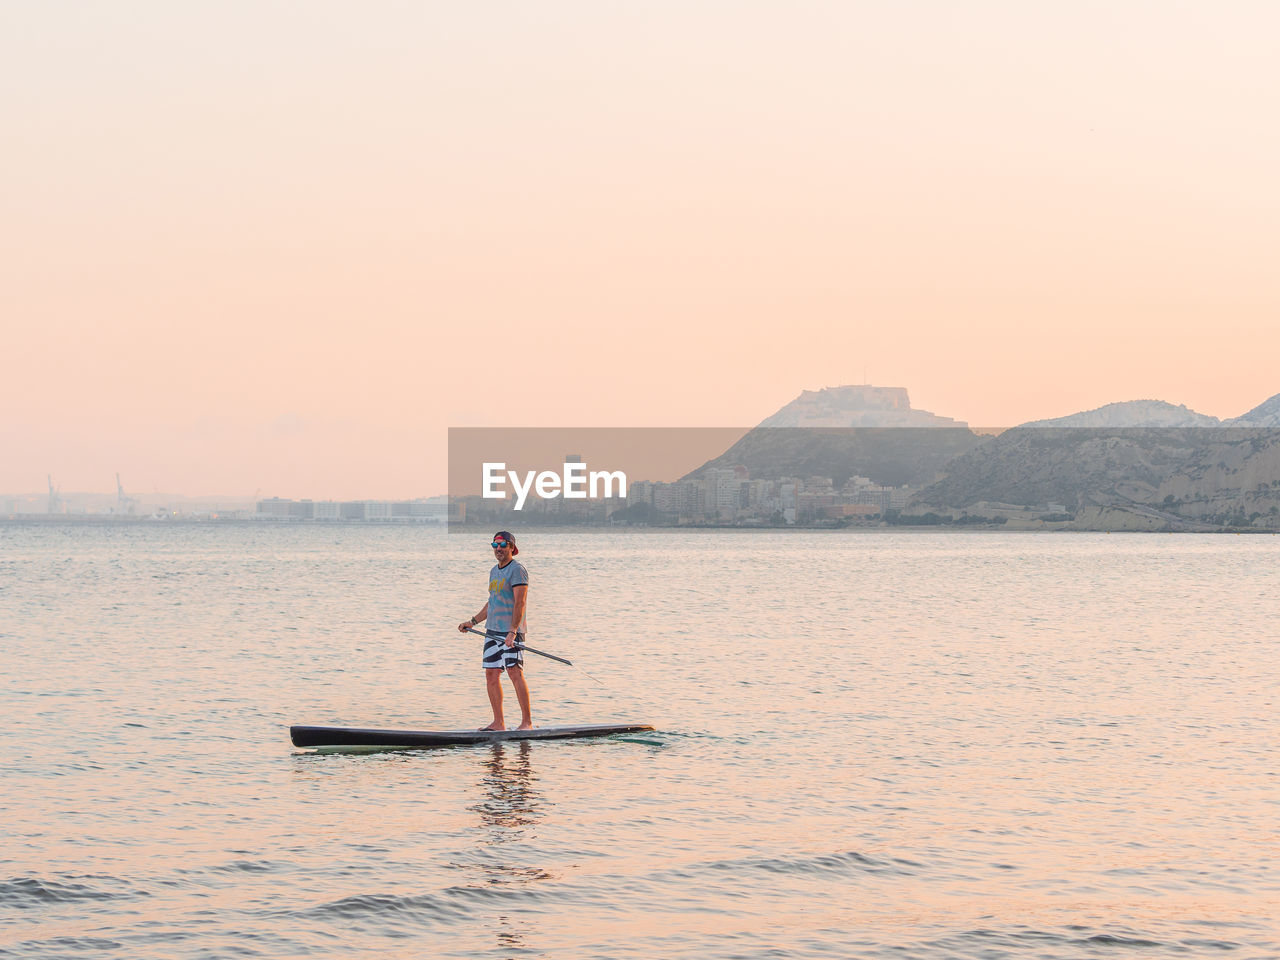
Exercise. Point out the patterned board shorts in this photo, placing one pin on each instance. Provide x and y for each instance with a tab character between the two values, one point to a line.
498	656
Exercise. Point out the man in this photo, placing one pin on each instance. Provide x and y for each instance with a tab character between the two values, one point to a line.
504	630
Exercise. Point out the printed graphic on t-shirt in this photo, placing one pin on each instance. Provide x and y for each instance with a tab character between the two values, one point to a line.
502	599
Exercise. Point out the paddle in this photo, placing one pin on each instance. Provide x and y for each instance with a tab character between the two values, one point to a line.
549	656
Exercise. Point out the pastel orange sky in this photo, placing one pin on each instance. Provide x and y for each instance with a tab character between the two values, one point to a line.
284	246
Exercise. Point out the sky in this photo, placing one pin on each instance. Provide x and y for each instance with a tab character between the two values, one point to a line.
280	248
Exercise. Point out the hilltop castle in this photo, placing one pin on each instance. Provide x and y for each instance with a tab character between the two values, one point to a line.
860	405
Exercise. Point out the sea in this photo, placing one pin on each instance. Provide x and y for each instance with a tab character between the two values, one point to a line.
875	743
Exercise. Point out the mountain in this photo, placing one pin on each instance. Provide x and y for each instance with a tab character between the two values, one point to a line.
840	432
1265	414
860	405
890	456
1175	478
1142	464
1133	413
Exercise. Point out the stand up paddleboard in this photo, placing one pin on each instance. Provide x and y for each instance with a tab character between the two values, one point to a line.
359	737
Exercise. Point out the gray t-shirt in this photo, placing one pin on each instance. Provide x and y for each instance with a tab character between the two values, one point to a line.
502	599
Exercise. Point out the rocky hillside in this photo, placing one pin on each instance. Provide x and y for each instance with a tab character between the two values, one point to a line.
890	456
1215	475
840	432
1265	414
1142	464
856	406
1132	413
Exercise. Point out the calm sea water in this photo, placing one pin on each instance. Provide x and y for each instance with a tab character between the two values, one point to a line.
869	745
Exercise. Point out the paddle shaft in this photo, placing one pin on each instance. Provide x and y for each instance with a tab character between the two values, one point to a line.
549	656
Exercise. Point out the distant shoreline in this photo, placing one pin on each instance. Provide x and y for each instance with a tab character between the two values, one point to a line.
89	520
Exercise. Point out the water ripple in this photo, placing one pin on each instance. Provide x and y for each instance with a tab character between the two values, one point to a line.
1018	746
25	893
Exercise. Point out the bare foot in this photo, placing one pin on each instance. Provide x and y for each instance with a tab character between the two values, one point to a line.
528	725
493	727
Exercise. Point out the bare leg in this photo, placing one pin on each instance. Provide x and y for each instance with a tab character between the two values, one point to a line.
522	694
493	684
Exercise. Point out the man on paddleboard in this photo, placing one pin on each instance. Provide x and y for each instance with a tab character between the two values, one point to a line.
504	630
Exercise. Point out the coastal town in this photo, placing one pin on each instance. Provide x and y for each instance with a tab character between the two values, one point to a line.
855	455
726	496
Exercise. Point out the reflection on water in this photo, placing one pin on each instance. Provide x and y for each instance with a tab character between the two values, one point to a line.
510	808
511	802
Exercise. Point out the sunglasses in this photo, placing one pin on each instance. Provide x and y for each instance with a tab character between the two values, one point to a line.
499	543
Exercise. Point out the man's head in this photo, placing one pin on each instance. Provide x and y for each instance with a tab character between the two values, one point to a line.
504	546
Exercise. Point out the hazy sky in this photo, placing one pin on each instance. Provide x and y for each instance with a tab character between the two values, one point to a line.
283	246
